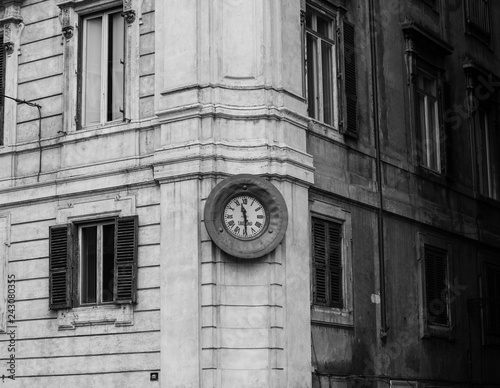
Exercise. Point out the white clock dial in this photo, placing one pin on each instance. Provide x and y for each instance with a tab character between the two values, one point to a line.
244	216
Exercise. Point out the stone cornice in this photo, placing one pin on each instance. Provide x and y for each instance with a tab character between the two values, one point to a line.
417	34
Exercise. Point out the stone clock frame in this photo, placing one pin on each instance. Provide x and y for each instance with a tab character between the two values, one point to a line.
276	211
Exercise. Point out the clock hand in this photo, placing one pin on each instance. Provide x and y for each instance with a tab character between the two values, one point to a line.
244	211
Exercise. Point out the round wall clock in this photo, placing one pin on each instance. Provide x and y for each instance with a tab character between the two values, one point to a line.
246	216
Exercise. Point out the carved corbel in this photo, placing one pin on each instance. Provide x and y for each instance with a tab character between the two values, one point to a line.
12	23
128	13
8	47
302	12
67	18
12	13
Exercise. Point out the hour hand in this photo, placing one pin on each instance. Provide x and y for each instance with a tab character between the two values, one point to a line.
244	211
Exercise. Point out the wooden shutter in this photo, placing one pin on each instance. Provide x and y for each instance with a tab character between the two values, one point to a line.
126	259
350	122
435	283
60	266
320	262
493	295
335	263
327	262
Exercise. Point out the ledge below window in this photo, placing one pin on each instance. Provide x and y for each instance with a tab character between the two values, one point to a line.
118	315
331	316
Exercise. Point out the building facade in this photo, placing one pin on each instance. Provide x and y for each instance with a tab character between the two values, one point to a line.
377	122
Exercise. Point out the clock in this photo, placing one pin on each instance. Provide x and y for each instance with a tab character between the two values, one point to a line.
246	216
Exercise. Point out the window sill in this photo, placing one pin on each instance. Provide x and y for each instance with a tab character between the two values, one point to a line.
433	176
488	200
331	316
118	315
491	340
434	331
325	130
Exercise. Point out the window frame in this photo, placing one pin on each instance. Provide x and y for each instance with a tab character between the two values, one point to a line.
105	70
340	315
428	328
487	162
318	73
343	73
99	262
330	265
71	16
65	260
425	53
425	147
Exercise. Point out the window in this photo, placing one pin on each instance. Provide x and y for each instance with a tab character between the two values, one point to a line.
493	297
331	265
477	17
102	80
330	69
436	281
425	55
97	246
327	263
93	263
320	66
488	159
436	294
428	121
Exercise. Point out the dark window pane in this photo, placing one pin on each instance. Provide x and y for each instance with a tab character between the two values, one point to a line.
309	19
322	26
326	59
89	264
108	262
311	75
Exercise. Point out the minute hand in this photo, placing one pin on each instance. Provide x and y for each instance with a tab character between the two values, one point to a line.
245	221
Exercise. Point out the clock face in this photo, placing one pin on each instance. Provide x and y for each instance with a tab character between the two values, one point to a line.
244	216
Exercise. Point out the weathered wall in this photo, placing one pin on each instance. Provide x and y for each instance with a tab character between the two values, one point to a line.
414	203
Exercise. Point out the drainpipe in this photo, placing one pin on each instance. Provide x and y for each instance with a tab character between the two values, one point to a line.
376	127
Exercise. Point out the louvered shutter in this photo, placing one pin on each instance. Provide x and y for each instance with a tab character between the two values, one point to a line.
327	259
60	266
493	295
320	261
435	283
126	259
351	120
335	263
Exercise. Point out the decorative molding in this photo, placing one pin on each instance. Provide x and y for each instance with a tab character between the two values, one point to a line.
12	23
8	47
129	16
67	17
97	208
12	13
70	319
128	13
416	37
